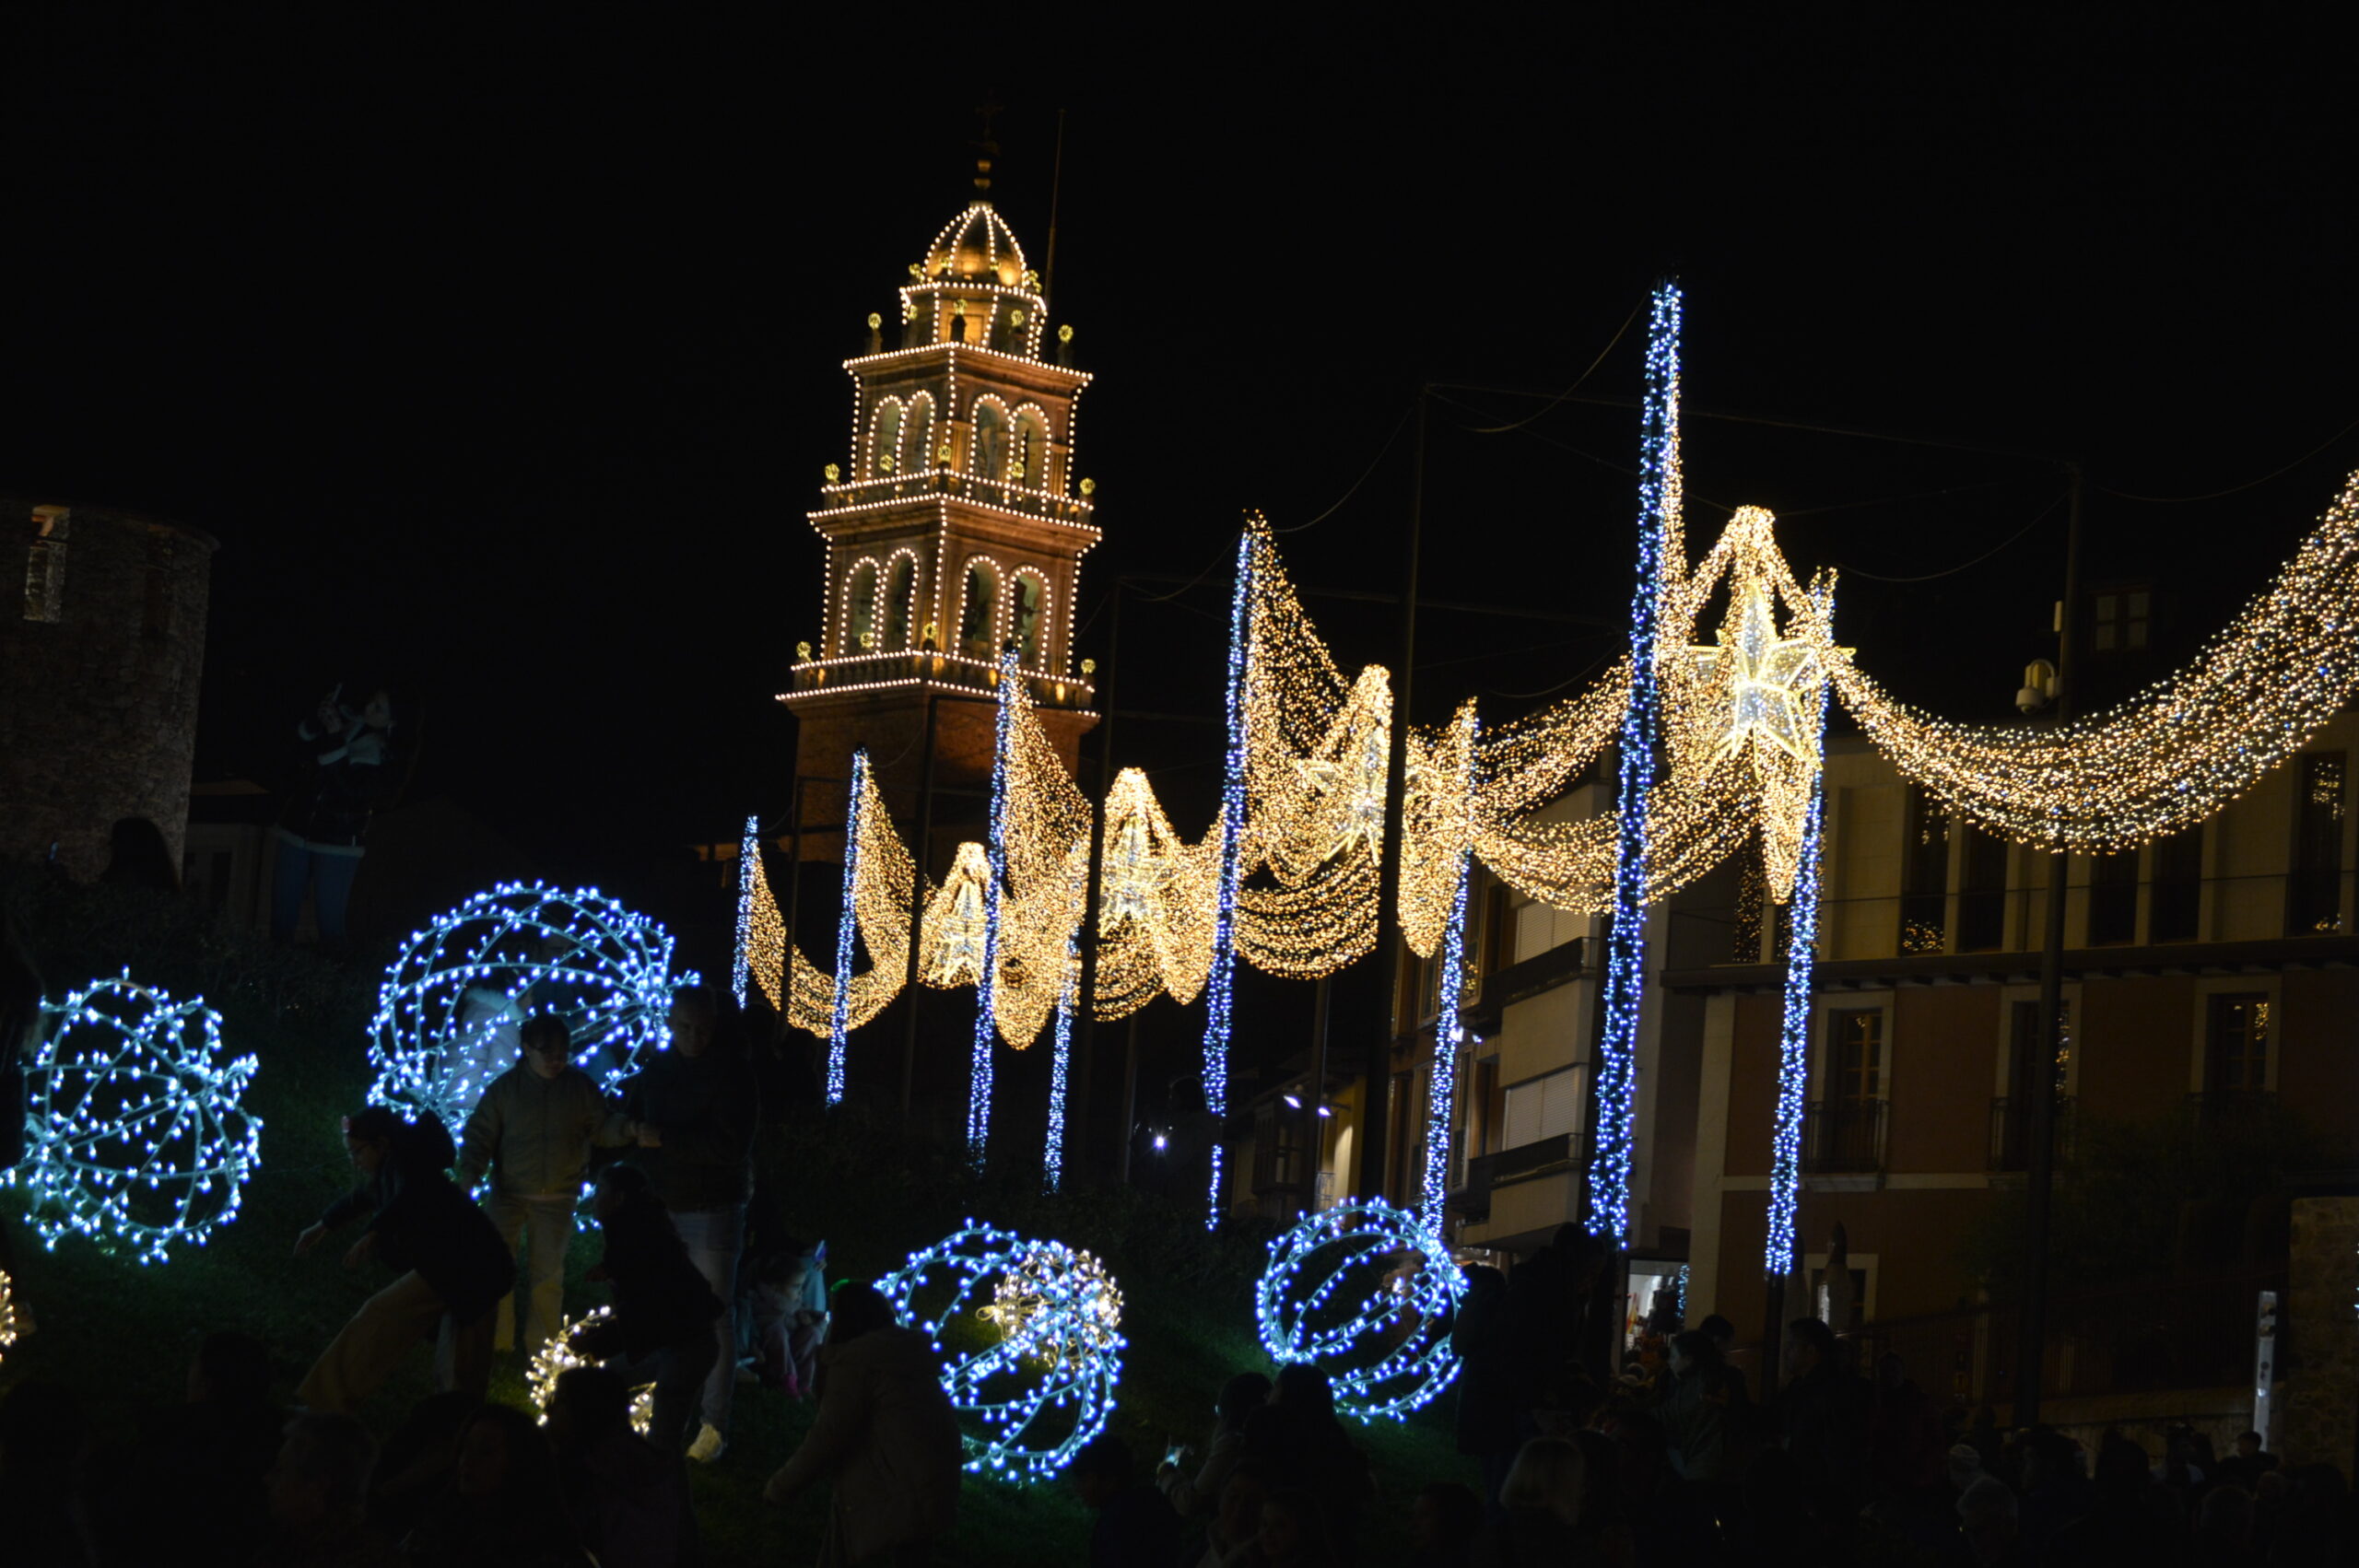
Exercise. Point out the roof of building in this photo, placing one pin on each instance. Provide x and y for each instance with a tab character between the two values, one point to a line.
975	245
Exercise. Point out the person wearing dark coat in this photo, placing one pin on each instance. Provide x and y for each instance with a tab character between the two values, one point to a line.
1493	1394
1298	1441
349	774
694	1111
662	1325
1823	1417
450	1266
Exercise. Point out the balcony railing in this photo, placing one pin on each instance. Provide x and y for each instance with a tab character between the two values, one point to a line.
1485	1171
1843	1136
2011	1132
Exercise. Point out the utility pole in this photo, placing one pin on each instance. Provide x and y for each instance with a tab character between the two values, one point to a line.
2039	1178
1085	1020
1376	1071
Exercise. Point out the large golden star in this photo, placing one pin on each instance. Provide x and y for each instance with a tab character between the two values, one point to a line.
1763	678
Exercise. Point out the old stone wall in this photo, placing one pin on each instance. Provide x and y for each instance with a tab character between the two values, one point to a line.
97	706
2317	1393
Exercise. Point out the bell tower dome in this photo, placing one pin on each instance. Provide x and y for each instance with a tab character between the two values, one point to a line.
955	527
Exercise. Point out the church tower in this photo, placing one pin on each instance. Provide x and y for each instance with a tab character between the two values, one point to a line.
956	528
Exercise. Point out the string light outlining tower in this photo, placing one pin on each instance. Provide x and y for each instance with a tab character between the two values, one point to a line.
1218	990
138	1138
1045	1385
1658	522
1365	1292
978	1093
847	927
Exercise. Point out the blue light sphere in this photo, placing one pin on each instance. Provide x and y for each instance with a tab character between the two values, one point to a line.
1366	1293
1029	1332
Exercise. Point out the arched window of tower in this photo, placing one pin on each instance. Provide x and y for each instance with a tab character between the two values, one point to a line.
884	439
919	434
975	616
991	440
859	608
1027	613
901	592
1031	449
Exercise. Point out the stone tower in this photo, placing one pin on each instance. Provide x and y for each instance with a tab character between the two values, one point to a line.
957	527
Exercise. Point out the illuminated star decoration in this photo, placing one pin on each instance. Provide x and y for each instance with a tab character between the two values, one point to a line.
1352	789
1050	1375
138	1138
1768	682
954	922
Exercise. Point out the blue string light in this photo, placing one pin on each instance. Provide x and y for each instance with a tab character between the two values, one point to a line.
1219	986
749	851
1052	1371
138	1140
1339	1292
1053	1161
1780	1256
1442	1084
839	1021
455	997
1618	1070
979	1095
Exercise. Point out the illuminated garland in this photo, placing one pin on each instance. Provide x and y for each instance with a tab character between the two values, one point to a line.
1793	1033
1051	1372
764	933
1659	553
749	874
455	997
1155	911
137	1138
847	924
1442	1081
883	883
1217	990
1335	1294
557	1358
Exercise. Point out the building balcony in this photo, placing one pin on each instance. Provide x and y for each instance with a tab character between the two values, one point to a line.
2011	1132
1843	1136
903	667
1007	496
1484	1172
1520	982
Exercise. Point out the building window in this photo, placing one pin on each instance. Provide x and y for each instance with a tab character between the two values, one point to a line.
1856	1062
1982	898
1031	449
1541	1108
2113	899
1030	597
884	439
975	616
2178	887
917	431
45	565
990	441
1925	873
2011	1122
2316	893
2237	1064
2121	620
859	608
899	585
1845	1131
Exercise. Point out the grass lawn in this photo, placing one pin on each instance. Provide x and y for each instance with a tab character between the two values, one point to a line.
121	1335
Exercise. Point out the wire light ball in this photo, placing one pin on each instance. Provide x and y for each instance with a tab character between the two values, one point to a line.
138	1138
558	1357
453	1002
1045	1383
1366	1291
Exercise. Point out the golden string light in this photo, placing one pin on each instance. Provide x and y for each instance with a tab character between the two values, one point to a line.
881	895
1155	903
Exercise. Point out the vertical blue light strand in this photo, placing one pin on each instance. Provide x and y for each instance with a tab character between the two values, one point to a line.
840	1023
1219	985
1658	502
749	851
1779	1256
1441	1085
979	1093
1052	1163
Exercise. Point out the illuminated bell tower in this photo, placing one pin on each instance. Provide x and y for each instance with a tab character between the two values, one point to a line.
957	527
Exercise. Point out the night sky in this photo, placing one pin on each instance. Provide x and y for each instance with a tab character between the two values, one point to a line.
502	354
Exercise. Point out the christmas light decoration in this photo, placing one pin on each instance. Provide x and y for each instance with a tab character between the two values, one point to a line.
750	877
1052	1161
1045	1385
1365	1292
1217	990
1781	1255
7	1315
558	1357
883	882
453	999
978	1093
1659	553
1155	908
137	1137
1442	1080
847	924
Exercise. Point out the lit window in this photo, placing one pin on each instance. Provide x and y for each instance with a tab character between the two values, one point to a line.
975	616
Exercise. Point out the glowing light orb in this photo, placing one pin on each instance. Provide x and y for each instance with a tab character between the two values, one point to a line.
137	1138
1032	1372
453	1002
557	1358
1365	1292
